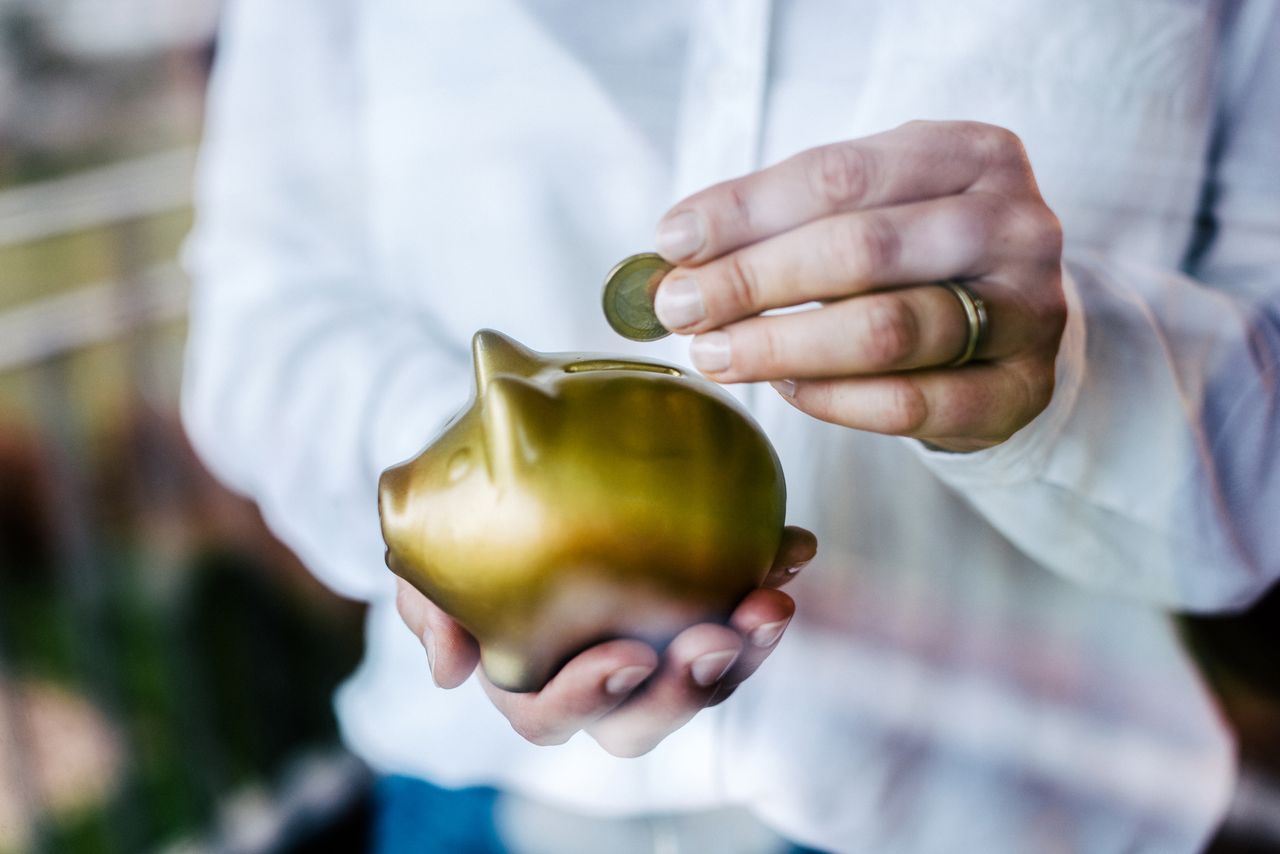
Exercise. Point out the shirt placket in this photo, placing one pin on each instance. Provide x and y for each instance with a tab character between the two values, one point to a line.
721	113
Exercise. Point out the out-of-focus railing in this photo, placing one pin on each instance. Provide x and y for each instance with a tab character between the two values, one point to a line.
96	313
133	189
165	665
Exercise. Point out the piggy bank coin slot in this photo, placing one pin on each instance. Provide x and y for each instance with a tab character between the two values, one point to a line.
619	365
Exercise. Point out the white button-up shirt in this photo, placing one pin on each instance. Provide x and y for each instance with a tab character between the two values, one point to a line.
980	660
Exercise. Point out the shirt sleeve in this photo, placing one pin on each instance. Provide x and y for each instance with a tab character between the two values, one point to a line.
305	376
1155	471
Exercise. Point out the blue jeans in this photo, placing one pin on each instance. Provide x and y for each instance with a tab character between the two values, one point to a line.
415	817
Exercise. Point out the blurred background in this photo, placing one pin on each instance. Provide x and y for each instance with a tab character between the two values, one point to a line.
165	664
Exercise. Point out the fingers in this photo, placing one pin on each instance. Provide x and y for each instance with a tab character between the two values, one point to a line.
693	675
967	408
692	667
761	619
452	653
913	328
954	237
858	226
597	690
917	161
883	332
586	688
797	548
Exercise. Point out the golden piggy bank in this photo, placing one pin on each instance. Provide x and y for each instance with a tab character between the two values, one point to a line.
581	498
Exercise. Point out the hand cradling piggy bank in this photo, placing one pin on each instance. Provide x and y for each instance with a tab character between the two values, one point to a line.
581	498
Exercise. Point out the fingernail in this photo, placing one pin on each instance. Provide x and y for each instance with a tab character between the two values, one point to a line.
625	680
792	570
711	668
678	302
710	352
429	644
767	634
786	388
679	236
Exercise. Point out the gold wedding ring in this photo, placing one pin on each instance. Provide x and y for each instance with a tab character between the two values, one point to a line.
975	314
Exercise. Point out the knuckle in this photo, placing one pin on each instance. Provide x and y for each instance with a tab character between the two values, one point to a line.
906	409
864	245
1050	235
1007	143
998	145
890	331
841	174
744	290
739	208
766	350
881	243
1034	232
1053	315
820	399
1004	145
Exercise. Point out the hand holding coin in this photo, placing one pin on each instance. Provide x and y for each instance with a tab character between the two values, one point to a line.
934	263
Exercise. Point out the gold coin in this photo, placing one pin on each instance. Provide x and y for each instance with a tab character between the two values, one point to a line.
628	297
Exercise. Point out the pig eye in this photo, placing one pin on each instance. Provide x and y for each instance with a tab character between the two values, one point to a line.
459	464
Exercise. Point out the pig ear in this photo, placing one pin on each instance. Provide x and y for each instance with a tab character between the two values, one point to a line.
516	415
494	354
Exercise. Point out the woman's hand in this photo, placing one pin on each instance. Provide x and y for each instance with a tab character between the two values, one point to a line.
858	227
621	692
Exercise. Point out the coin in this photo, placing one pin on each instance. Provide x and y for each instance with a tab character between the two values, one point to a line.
628	297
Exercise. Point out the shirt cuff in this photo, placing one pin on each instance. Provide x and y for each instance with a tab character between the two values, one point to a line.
1022	456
